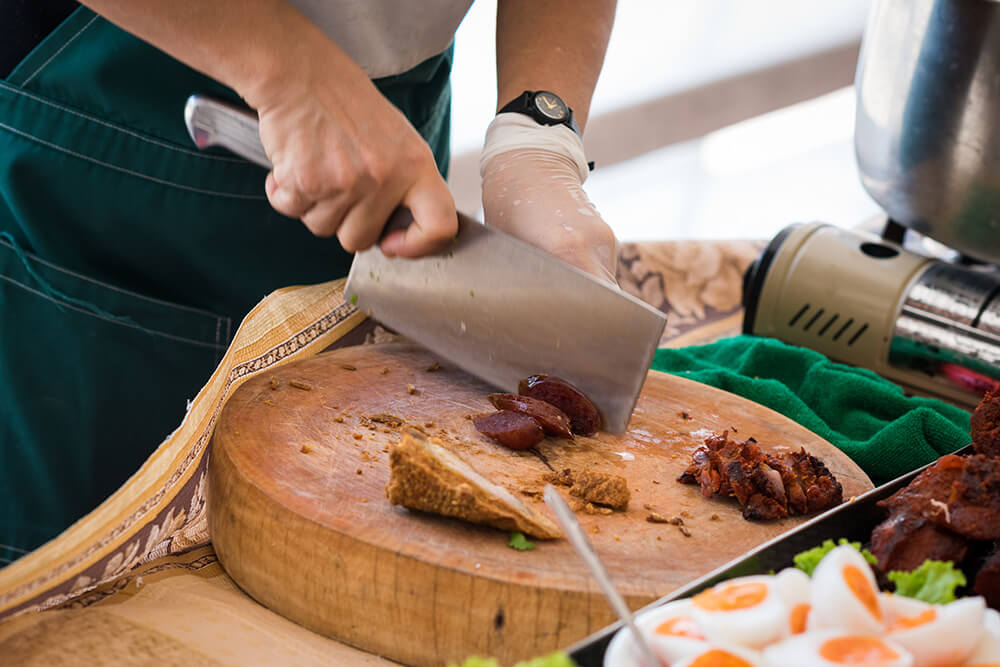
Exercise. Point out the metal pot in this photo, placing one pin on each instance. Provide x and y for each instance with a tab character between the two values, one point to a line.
927	131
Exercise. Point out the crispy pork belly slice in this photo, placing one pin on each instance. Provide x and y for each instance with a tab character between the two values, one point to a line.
905	540
426	476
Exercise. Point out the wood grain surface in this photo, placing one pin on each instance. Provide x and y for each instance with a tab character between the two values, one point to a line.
299	518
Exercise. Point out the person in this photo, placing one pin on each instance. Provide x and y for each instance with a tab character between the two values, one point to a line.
128	257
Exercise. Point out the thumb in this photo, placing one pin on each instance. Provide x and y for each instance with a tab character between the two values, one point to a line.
435	221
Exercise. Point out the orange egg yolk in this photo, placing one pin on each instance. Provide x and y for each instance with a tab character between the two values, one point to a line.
719	658
907	622
797	619
730	598
862	589
680	626
856	650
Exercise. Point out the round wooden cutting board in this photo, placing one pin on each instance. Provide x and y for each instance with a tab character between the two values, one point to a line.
299	517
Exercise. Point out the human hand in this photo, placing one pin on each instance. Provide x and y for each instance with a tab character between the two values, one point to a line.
344	158
536	195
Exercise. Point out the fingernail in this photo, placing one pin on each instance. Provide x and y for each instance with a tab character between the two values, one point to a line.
390	244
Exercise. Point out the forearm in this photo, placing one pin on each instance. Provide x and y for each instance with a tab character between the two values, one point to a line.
248	45
557	45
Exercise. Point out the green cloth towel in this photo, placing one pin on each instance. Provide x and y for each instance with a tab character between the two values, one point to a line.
868	417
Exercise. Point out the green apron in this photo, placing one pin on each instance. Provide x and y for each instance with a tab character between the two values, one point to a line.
127	259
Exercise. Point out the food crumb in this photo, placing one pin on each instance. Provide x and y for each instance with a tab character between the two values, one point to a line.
655	481
364	500
436	366
659	539
339	419
656	517
385	370
349	367
428	424
411	389
591	508
684	531
274	384
685	415
357	436
617	539
387	430
686	514
595	529
647	506
467	416
300	384
358	471
714	517
676	521
268	402
306	448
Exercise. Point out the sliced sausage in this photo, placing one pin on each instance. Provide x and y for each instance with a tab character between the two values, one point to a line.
553	420
583	415
510	429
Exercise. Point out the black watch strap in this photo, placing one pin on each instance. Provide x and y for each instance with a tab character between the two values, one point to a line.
544	107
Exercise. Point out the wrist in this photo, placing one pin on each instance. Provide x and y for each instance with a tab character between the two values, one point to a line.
516	132
291	59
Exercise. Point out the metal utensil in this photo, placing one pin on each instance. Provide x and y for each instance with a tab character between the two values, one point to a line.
569	524
926	132
493	305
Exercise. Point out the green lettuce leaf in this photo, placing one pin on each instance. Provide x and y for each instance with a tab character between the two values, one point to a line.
476	661
520	542
557	659
934	581
808	560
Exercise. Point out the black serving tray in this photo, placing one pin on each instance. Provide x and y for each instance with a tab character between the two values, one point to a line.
854	520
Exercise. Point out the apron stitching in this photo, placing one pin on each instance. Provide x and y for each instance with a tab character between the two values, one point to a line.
52	57
116	128
130	325
136	295
128	171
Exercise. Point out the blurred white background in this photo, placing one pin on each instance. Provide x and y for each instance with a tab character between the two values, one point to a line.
712	118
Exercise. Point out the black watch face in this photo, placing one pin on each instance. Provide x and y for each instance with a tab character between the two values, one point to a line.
550	106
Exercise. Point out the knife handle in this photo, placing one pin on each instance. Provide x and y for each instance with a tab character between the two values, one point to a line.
213	122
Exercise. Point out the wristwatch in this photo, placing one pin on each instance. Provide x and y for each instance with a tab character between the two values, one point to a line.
545	107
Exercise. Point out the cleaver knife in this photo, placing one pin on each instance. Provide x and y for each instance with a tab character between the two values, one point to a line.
493	305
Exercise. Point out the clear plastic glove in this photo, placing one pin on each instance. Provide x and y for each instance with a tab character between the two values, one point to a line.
536	194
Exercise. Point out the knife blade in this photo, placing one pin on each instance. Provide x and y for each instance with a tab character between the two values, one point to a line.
493	305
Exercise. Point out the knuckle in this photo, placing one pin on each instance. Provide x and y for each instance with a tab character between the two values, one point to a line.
310	182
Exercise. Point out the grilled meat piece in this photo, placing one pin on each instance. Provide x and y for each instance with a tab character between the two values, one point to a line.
768	486
987	581
809	485
426	476
960	493
602	488
905	540
986	425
